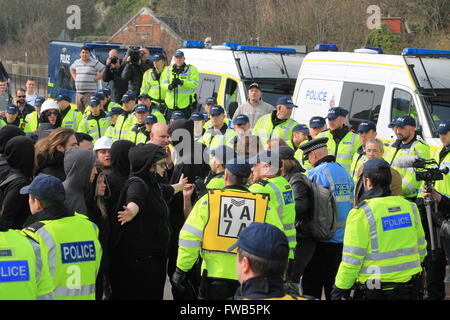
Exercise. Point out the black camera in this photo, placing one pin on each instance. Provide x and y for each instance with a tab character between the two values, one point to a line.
114	60
199	187
428	174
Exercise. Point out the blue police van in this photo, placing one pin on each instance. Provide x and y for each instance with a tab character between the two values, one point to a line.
61	55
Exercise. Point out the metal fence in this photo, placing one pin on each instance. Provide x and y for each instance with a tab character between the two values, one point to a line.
20	72
18	81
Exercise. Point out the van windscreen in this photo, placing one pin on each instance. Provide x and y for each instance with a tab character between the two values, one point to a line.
254	65
431	72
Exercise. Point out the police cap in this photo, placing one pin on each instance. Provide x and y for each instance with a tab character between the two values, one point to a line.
45	188
263	240
312	145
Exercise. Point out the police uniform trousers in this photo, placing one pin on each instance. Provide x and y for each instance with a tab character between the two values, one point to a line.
320	273
395	291
217	288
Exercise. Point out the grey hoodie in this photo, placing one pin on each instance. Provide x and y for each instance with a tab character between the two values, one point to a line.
78	164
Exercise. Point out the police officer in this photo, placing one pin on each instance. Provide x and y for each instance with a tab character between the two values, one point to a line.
113	115
137	133
70	117
241	124
151	81
407	145
12	117
209	103
323	261
213	226
261	263
267	174
125	121
219	133
153	108
384	242
300	135
23	273
342	143
177	115
278	123
32	119
96	123
442	157
316	125
218	159
69	241
366	130
198	119
179	81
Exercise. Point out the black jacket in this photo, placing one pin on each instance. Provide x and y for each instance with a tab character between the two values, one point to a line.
19	153
53	166
133	75
149	231
120	86
258	288
301	191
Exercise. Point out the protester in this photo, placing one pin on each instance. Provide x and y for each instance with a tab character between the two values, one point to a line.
19	153
49	152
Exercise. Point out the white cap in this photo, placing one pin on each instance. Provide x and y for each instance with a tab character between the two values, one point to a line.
103	143
49	104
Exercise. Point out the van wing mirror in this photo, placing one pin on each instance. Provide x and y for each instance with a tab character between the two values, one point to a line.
419	131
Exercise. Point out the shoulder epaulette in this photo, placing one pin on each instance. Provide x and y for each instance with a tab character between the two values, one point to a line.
35	226
361	204
262	182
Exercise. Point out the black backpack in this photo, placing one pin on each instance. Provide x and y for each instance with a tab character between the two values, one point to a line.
324	212
4	183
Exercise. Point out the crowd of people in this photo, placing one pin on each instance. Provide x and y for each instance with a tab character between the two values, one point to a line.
137	183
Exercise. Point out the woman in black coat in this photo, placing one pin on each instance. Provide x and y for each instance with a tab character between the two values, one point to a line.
293	172
141	232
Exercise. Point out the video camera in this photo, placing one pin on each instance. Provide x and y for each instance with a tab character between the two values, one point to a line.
429	175
135	55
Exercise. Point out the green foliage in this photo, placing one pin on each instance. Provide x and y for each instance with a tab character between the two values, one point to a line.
384	39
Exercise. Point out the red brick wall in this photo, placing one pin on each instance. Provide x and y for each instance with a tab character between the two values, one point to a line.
394	25
144	30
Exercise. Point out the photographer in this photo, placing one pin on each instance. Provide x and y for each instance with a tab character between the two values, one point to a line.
113	73
134	69
435	265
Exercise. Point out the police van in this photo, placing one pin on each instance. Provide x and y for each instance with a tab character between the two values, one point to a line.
227	70
377	87
61	55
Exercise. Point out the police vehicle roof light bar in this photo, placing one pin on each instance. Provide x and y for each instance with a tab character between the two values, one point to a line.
375	49
193	44
424	52
326	47
232	45
266	49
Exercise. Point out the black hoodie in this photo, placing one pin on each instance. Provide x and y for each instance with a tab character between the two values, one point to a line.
7	133
149	231
19	153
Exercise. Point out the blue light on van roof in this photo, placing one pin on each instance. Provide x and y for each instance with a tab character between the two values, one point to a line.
424	52
193	44
266	49
379	50
232	45
325	47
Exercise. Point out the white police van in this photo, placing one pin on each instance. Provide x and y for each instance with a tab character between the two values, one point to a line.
227	70
377	87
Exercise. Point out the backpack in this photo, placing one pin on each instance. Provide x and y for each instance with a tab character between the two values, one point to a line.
324	212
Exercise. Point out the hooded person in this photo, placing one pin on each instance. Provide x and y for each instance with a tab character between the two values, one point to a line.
193	165
19	154
140	234
120	170
78	166
7	133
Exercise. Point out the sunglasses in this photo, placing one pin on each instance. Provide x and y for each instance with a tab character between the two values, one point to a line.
21	96
52	113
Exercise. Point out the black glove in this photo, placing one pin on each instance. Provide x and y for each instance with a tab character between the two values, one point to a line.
293	273
179	280
178	82
292	289
171	87
340	294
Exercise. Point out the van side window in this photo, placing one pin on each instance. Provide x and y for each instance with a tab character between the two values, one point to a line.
402	104
363	101
231	97
208	87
